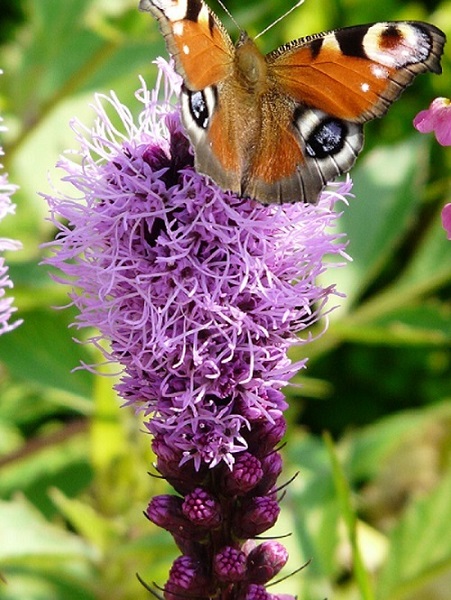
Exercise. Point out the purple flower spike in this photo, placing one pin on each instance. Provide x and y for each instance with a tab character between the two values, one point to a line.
199	294
6	207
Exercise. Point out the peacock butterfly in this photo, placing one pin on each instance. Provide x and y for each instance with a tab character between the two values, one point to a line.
278	127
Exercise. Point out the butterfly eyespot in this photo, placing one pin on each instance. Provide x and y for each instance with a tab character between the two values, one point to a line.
199	109
327	138
398	44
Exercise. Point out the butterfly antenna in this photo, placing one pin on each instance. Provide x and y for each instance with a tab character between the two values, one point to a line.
227	11
297	5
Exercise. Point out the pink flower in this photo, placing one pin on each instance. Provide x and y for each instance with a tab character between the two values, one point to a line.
446	219
436	118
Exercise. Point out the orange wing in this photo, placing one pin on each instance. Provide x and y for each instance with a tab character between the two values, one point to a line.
195	38
356	73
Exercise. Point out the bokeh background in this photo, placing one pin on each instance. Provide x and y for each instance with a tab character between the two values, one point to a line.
371	505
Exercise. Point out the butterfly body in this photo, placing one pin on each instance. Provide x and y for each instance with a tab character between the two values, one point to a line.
278	127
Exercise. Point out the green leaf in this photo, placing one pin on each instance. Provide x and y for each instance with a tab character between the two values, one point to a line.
100	530
45	585
41	561
430	266
109	426
316	492
384	322
349	516
42	351
372	448
388	188
57	459
25	533
420	548
71	47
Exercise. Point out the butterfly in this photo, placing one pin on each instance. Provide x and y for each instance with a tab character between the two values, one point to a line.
278	127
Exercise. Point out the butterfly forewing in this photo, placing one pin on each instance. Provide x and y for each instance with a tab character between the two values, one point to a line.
355	73
195	38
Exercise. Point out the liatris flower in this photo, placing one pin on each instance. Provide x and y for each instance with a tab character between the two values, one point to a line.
436	118
6	207
199	294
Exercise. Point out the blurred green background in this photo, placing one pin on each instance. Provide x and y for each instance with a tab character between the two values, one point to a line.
372	509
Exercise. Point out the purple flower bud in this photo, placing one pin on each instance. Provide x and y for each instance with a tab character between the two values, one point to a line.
230	565
191	546
164	451
182	478
265	435
265	561
256	516
202	508
244	476
255	592
259	592
272	467
261	403
166	511
187	579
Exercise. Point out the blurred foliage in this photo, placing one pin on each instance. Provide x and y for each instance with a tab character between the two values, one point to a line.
371	508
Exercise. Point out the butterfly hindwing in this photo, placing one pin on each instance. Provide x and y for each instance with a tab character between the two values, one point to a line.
213	131
298	153
278	127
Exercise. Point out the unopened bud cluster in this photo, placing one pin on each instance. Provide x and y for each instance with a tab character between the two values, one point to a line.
213	520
